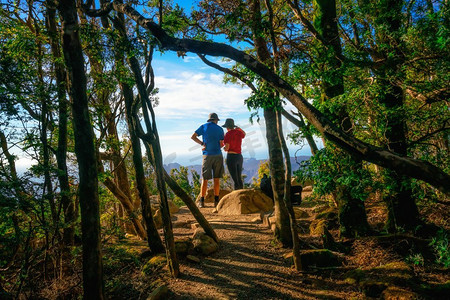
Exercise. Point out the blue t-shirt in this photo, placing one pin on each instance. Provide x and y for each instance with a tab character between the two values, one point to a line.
212	135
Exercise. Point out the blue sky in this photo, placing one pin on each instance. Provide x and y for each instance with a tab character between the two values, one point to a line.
188	91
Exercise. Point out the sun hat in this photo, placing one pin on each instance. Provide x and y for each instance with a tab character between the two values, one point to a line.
213	116
229	123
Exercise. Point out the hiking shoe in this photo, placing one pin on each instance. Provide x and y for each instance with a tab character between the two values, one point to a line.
201	203
216	202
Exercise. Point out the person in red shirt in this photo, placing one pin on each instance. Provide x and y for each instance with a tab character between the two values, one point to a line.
233	141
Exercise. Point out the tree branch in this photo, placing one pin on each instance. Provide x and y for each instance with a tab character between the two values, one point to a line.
418	169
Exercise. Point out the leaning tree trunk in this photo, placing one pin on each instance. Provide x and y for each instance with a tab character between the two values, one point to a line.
153	238
300	123
85	152
152	133
120	186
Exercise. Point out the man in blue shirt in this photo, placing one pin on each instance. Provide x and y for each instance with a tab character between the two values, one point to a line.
212	164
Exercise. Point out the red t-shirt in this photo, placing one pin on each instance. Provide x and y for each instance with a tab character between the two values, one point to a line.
234	138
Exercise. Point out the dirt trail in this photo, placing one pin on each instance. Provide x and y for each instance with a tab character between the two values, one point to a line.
248	266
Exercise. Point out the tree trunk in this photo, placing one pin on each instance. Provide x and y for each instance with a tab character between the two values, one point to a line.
333	86
152	133
276	166
352	214
191	205
153	238
287	196
85	152
120	187
403	165
61	152
300	123
43	120
403	211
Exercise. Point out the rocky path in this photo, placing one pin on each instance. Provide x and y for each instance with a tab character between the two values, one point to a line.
248	265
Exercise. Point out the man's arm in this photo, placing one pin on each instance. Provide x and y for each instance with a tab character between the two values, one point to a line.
195	138
227	147
223	144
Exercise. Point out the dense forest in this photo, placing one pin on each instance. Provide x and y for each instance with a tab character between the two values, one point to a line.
77	97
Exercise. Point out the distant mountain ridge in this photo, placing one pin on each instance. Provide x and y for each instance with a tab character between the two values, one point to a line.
250	166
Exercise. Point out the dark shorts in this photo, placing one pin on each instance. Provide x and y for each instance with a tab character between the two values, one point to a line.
212	166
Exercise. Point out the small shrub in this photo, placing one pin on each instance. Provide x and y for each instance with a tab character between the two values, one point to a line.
440	245
415	259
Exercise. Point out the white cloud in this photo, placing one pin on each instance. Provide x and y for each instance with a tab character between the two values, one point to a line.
195	94
188	91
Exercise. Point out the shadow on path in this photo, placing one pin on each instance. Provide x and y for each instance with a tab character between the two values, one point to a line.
247	266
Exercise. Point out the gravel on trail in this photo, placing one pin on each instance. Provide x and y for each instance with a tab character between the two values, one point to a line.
248	265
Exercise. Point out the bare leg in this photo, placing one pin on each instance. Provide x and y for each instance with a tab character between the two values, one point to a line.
204	187
216	186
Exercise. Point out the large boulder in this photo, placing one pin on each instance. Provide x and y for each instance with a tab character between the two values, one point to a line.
301	213
319	258
209	197
396	293
157	218
160	292
154	263
183	246
154	202
203	243
246	201
382	281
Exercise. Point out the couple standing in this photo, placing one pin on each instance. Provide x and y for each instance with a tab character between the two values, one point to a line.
212	164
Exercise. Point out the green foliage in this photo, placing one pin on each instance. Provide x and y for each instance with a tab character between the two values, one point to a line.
416	259
190	183
262	169
109	216
226	183
264	97
331	168
377	56
153	264
120	255
441	246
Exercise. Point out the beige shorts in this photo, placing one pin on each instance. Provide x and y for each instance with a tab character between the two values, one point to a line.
212	166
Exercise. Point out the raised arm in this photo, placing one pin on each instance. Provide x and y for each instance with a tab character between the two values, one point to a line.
240	129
